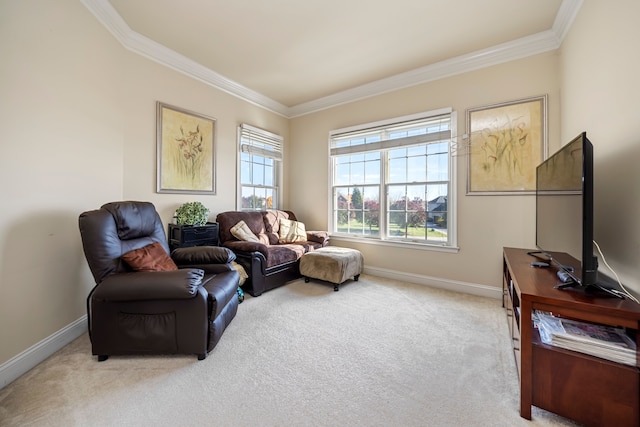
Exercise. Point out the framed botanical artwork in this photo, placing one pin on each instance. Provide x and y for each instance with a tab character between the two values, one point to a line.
185	144
507	142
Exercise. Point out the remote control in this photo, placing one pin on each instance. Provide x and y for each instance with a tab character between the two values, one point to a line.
539	264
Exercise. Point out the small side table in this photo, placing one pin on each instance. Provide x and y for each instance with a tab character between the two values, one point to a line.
183	236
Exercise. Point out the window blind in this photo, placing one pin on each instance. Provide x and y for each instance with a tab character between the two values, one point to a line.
416	132
259	142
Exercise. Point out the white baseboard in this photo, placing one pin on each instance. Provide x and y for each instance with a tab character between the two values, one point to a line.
435	282
31	357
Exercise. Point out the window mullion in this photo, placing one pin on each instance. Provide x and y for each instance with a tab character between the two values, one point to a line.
383	192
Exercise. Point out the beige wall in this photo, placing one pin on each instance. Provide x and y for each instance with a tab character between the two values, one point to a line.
147	82
600	68
62	147
77	113
485	223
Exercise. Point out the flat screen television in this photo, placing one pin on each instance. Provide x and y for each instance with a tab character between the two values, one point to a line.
564	211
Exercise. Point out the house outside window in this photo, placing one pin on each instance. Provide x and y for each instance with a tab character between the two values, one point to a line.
259	171
393	180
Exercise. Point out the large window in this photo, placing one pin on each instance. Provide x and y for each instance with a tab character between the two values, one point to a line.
393	180
260	168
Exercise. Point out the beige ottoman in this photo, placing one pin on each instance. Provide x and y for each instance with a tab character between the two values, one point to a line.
332	264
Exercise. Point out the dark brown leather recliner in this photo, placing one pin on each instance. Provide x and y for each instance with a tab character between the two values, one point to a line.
138	311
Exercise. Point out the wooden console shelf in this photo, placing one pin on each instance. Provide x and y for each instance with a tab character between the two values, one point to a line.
584	388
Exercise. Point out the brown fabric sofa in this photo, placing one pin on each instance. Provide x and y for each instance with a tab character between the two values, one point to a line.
268	262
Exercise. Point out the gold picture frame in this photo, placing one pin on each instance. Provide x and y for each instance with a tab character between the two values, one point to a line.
185	151
507	141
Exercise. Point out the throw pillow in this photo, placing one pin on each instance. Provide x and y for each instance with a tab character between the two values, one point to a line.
152	257
241	231
291	231
240	269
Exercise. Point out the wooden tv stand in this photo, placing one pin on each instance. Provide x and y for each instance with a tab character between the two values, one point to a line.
584	388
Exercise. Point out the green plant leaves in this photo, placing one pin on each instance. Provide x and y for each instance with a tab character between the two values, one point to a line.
192	213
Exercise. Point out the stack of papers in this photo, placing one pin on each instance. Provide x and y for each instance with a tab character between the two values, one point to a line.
602	341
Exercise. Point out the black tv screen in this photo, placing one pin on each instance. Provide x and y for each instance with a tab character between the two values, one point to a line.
564	208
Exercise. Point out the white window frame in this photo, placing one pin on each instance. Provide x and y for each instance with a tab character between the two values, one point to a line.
259	142
382	239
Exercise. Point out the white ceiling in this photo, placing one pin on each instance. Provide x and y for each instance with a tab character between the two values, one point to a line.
295	56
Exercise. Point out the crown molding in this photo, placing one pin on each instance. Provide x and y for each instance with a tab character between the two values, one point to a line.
141	45
527	46
516	49
564	19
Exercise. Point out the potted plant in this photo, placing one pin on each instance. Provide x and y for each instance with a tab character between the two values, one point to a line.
192	213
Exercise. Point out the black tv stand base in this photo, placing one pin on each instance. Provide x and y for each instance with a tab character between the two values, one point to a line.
607	290
591	288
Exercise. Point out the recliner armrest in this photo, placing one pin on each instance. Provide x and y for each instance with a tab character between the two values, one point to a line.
196	255
152	285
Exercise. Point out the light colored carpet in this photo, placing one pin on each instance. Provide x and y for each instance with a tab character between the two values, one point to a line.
376	353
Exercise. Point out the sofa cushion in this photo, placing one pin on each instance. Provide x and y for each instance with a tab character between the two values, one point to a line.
241	231
291	231
152	257
272	223
282	254
274	254
253	219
